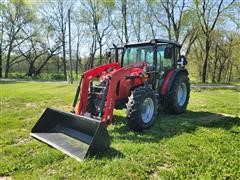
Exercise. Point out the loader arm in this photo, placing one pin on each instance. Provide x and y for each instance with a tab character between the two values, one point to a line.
86	79
114	78
118	73
111	95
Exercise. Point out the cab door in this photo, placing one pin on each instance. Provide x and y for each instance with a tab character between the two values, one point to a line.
165	61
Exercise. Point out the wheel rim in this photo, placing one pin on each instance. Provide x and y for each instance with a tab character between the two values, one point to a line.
182	94
147	110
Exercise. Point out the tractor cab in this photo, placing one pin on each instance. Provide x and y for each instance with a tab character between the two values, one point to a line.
160	56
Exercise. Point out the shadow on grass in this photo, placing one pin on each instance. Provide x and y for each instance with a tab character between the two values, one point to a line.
111	153
9	81
167	126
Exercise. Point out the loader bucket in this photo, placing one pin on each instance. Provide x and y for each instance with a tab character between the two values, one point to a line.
75	135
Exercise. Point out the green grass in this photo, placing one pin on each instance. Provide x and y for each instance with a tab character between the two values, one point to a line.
200	144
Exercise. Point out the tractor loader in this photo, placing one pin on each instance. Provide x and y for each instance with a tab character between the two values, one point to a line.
139	77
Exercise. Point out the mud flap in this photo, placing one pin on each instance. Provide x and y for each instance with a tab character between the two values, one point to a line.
76	136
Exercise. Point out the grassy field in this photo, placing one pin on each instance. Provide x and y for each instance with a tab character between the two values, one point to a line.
204	143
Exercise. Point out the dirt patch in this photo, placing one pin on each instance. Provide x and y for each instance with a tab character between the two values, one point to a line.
214	86
32	105
22	141
213	117
164	167
28	118
200	101
5	177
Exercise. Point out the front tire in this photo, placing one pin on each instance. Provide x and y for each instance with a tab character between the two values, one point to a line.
142	108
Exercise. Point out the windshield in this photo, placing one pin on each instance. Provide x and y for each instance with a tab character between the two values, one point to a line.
138	54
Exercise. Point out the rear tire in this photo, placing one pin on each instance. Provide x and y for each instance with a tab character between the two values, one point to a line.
177	99
142	108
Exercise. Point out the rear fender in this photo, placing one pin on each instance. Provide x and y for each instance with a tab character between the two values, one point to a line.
169	79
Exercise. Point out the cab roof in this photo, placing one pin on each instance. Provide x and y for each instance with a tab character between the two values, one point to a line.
153	42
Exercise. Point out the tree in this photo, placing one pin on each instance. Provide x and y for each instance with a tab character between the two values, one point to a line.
79	33
16	16
96	14
38	50
175	17
55	14
124	15
223	56
1	39
150	20
163	20
208	14
136	16
119	21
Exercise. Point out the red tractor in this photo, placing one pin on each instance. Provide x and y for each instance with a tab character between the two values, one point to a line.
140	77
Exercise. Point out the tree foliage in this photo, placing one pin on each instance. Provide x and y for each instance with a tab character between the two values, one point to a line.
34	36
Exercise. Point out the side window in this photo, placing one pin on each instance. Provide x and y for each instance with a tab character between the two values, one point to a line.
146	54
149	56
163	63
130	56
160	56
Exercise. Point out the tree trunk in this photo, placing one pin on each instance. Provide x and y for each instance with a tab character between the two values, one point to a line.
139	25
204	70
31	70
77	58
100	52
8	60
38	71
220	73
230	73
124	13
58	65
76	68
91	61
1	51
152	30
214	71
1	54
64	57
190	43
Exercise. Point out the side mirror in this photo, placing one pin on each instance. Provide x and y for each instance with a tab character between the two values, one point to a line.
168	52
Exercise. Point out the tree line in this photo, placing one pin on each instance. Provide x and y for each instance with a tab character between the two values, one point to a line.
35	35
